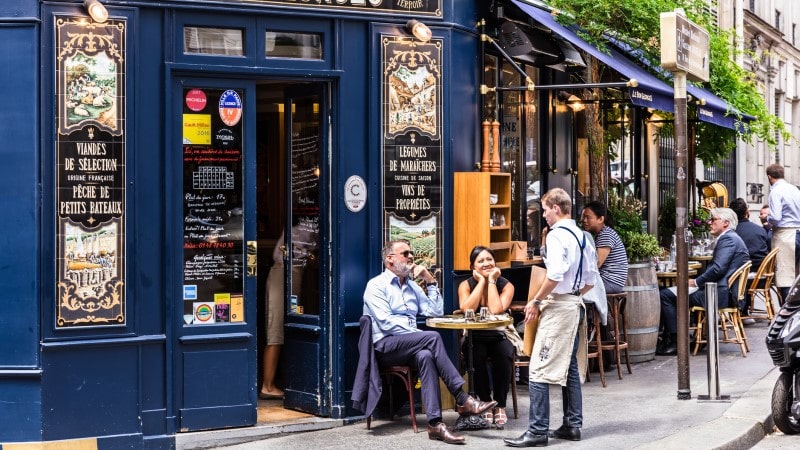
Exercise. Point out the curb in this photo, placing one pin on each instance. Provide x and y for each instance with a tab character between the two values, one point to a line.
219	438
746	422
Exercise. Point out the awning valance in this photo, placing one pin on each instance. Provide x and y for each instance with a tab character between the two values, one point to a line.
651	91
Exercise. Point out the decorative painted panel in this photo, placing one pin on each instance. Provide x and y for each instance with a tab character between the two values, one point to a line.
90	185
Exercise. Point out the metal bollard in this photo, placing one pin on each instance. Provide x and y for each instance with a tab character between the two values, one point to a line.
712	316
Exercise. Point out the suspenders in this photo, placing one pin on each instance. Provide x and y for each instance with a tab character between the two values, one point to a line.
576	284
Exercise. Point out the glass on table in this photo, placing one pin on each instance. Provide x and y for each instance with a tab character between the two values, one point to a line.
469	315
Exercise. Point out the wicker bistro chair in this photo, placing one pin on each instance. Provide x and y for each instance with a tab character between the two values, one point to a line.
762	287
728	317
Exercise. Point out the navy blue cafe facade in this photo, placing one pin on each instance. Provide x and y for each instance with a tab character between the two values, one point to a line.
153	161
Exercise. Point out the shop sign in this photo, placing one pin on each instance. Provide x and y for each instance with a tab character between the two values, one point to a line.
417	7
90	172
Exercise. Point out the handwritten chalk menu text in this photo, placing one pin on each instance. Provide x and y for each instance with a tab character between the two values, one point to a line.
213	223
90	173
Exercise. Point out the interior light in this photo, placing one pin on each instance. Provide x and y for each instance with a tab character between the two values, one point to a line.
96	10
419	30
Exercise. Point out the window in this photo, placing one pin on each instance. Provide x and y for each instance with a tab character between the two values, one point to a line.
794	34
752	6
286	44
778	20
213	41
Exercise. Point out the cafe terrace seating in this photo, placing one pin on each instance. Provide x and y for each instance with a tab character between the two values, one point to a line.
728	317
762	288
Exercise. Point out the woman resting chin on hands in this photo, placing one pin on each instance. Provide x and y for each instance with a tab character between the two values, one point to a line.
487	288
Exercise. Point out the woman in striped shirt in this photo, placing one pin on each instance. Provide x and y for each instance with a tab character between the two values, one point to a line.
612	260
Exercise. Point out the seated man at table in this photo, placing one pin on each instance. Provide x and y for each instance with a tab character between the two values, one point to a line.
730	253
393	300
753	235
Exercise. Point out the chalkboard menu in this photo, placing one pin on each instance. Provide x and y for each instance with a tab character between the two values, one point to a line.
213	225
305	206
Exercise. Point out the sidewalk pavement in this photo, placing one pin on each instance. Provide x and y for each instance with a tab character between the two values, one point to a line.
641	411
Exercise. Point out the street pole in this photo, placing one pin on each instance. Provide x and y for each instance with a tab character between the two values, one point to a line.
681	218
684	52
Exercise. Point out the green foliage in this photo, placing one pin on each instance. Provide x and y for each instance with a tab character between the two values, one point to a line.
640	246
666	221
637	23
626	219
698	222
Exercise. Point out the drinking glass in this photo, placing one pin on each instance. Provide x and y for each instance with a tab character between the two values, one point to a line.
484	314
469	315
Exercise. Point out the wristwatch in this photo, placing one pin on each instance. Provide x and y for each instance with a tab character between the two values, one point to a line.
492	281
536	302
432	283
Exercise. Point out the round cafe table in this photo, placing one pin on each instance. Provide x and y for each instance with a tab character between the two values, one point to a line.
668	279
457	322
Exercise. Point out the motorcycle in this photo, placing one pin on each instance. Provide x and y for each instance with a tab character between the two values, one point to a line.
783	344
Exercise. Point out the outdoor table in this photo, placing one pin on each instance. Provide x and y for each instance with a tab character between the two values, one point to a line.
668	279
703	260
457	322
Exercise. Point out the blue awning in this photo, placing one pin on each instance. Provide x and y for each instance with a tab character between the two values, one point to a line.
651	92
710	108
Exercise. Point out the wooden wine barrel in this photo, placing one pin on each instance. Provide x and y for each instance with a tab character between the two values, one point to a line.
642	311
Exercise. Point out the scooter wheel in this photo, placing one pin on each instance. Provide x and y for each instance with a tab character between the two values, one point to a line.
781	404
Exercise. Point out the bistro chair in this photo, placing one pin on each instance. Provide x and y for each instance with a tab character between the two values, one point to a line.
595	347
404	373
728	317
762	287
519	361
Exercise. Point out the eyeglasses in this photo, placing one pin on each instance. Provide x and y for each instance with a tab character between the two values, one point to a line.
713	219
405	253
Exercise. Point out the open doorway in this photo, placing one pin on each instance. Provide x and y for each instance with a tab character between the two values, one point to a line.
288	169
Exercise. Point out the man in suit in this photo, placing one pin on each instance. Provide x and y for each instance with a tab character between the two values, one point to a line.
730	252
753	235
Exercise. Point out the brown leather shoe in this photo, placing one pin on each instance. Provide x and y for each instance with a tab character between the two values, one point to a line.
441	432
473	407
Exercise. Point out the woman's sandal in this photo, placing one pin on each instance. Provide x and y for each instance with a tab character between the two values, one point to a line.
500	418
488	416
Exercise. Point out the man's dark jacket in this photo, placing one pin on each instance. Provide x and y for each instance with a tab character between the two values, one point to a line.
755	238
730	253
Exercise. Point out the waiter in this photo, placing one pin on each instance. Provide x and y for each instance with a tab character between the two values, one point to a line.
784	216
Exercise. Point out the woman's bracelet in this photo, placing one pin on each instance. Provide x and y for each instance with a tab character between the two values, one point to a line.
492	281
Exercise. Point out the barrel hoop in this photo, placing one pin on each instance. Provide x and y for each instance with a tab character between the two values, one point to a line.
645	330
642	352
639	265
644	287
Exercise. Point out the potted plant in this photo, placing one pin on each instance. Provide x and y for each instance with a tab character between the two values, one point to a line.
626	219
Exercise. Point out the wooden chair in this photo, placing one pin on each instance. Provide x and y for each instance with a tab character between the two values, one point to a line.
761	287
519	361
616	308
728	317
595	347
403	373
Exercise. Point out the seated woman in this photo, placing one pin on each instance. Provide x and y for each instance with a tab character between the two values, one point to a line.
612	260
487	288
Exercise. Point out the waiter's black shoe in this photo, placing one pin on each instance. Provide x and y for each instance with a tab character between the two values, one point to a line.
566	433
527	439
669	350
474	407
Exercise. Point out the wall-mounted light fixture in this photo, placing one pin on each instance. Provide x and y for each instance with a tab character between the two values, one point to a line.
96	10
419	30
571	100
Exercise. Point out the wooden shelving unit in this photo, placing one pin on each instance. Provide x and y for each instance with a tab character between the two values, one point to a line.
477	221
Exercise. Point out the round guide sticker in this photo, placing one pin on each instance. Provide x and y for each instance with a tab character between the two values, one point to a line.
230	107
196	100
